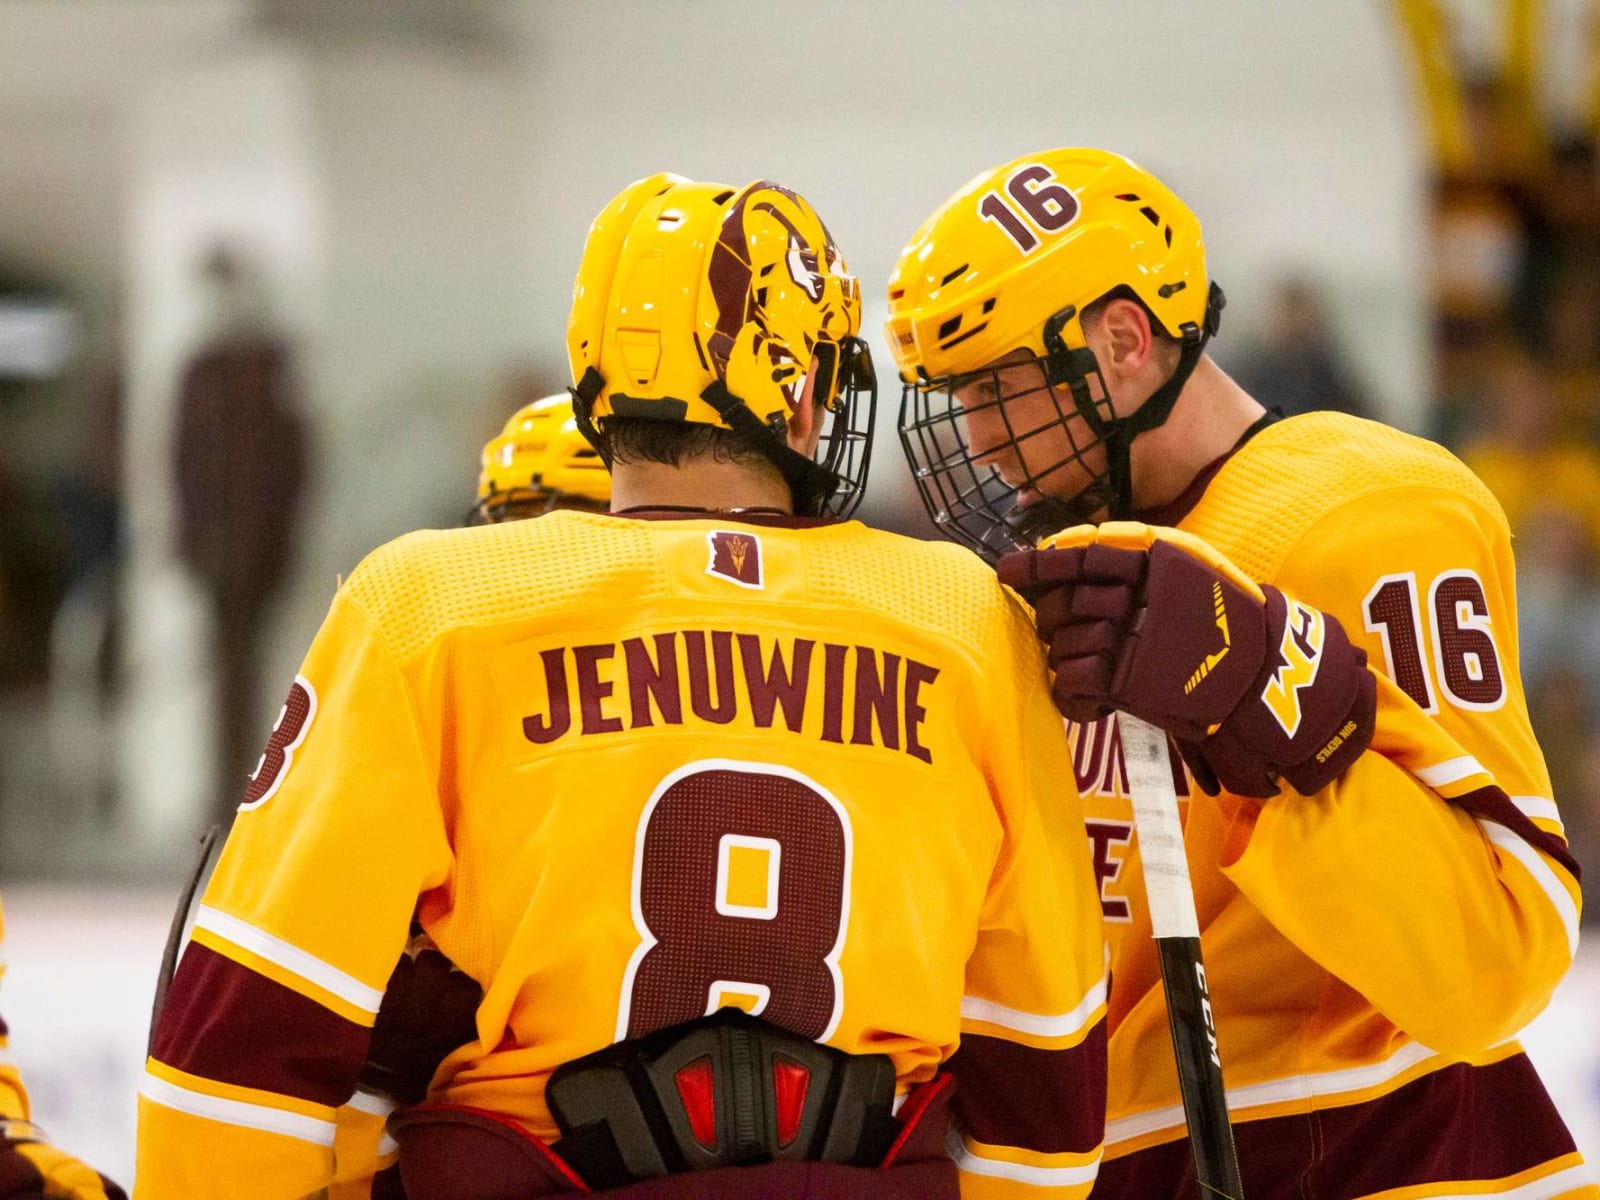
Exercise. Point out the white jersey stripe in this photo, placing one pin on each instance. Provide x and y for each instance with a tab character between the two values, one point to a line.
1038	1024
976	1164
237	1112
371	1103
1503	839
1538	808
1274	1091
1450	771
291	958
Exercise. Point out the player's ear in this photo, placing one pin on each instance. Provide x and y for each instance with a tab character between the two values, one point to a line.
1125	332
805	422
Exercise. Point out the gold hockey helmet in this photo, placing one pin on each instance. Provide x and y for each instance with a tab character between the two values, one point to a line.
1007	265
709	304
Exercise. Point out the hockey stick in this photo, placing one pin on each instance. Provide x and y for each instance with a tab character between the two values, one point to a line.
1183	974
181	919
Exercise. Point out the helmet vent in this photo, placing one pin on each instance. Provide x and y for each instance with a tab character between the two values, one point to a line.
950	326
956	341
988	306
897	293
1169	235
669	220
956	274
722	197
1128	196
1150	214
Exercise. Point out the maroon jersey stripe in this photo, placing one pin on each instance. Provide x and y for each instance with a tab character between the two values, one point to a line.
1046	1101
1459	1124
1492	804
225	1022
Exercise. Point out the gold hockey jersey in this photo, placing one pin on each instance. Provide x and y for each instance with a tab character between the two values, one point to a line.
627	772
1374	949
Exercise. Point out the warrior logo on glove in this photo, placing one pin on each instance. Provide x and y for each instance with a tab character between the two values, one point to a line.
1301	649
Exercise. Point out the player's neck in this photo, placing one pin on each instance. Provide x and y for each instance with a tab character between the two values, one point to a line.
702	482
1210	417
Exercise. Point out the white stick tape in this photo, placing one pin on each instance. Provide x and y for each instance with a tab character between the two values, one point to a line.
1155	814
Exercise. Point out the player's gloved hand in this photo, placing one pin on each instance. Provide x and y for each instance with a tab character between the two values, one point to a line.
33	1169
428	1009
1254	685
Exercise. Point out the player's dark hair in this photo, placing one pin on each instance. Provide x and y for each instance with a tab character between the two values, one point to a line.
640	439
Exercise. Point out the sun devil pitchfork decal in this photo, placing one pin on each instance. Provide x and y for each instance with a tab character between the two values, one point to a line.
735	556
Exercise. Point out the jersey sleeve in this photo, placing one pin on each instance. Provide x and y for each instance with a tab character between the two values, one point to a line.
13	1096
1031	1068
267	1021
1442	848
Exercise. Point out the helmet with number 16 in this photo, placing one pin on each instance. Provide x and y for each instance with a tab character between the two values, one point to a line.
1005	417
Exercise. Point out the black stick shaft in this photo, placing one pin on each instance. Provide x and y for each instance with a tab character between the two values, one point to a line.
1194	1045
1170	895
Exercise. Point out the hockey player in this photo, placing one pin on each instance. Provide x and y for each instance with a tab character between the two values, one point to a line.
1330	636
639	772
29	1165
540	463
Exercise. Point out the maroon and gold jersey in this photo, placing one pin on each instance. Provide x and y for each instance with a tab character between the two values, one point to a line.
1372	950
628	772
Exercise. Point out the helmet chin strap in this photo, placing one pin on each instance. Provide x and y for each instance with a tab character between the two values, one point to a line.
810	483
583	398
1152	414
1114	491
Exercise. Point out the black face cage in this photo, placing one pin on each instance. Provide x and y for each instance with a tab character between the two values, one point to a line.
963	490
846	375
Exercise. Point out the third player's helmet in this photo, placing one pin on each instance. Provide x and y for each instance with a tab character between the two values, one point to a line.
537	463
1007	264
704	303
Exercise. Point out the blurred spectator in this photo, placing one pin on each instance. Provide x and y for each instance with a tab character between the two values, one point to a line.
32	579
1524	457
240	460
1299	368
1562	243
1582	814
1570	338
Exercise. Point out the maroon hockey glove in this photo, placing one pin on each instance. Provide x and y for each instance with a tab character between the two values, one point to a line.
429	1008
1254	685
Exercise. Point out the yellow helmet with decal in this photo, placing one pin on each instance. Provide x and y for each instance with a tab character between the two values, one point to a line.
540	462
708	304
1009	263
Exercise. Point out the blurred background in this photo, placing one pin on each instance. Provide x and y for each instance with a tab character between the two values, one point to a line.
337	237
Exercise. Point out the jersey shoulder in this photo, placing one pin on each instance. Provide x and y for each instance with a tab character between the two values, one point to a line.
430	581
568	565
1298	472
939	587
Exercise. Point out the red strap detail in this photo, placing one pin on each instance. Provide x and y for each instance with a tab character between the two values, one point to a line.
789	1083
516	1127
912	1112
697	1090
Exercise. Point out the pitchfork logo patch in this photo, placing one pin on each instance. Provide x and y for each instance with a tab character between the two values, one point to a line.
735	556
